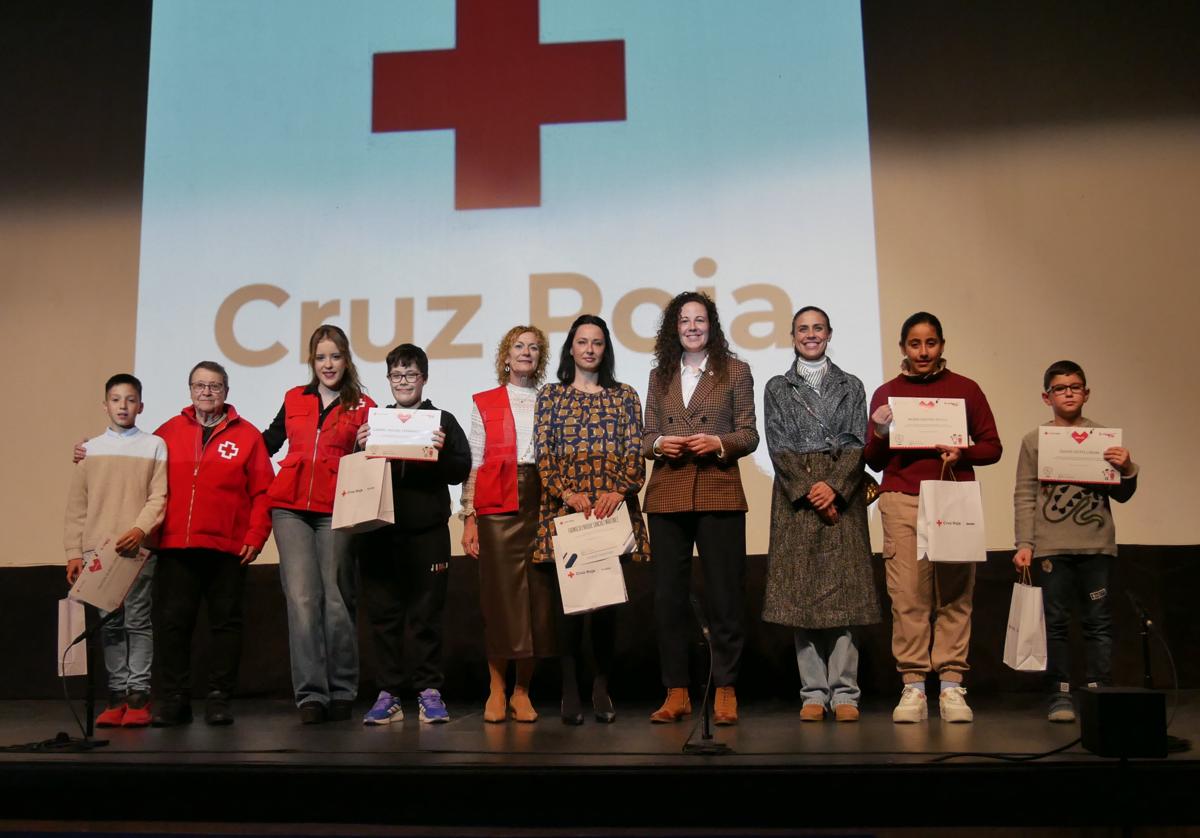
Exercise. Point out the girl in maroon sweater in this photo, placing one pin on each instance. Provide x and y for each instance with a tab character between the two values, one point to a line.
919	590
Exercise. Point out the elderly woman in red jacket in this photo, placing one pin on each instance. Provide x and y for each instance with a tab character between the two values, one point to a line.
320	422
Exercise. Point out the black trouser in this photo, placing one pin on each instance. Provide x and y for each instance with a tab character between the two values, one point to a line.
720	538
1077	582
186	577
403	589
602	628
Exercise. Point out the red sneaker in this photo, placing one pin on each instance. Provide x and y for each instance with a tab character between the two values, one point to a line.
137	711
112	716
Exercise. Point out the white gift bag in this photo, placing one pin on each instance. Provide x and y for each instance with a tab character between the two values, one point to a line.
71	624
591	585
1025	640
363	498
950	521
586	559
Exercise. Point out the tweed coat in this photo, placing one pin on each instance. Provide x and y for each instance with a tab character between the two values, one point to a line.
724	408
818	574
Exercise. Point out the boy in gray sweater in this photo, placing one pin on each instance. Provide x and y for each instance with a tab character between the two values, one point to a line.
1068	528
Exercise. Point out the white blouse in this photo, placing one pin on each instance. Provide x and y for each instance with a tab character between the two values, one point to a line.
523	402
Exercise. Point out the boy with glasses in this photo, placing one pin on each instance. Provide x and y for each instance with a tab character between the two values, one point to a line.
1069	528
405	566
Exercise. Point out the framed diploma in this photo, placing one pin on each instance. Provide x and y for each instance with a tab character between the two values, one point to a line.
927	423
402	434
1076	455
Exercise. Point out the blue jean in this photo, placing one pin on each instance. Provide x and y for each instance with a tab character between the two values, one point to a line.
828	664
1077	582
317	572
128	639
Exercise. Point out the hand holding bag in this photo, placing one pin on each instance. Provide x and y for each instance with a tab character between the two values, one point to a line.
1025	640
363	498
950	521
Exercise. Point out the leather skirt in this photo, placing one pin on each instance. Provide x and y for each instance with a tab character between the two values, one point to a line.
518	597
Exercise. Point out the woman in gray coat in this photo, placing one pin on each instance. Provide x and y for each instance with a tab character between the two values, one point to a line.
819	578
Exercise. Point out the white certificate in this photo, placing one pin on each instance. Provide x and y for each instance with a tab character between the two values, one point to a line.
927	423
587	558
400	434
1076	455
107	576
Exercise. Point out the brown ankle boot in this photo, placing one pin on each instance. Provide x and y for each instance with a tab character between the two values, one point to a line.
725	707
678	705
493	711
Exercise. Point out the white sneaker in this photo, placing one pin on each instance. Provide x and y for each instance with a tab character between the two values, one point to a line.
913	707
953	705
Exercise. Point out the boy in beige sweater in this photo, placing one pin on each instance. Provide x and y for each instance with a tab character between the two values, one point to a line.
120	490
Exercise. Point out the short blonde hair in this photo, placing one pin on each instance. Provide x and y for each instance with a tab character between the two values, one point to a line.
506	342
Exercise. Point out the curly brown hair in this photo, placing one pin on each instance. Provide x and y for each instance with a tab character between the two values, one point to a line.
505	345
668	350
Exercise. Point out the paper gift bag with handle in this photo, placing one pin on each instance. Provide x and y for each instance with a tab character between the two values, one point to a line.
950	521
1025	640
363	499
71	624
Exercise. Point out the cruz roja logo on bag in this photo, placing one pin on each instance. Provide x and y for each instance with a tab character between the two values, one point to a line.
227	449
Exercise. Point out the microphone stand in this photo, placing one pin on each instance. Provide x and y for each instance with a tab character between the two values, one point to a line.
705	747
63	742
1144	625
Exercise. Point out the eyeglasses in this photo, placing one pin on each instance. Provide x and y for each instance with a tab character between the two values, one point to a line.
198	387
406	377
1062	389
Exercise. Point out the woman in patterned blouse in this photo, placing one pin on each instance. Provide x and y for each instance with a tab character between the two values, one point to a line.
589	438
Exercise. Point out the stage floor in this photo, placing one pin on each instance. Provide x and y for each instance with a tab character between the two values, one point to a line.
782	773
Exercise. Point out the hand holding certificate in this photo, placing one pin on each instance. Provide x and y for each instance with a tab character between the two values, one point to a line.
1076	454
927	423
587	554
400	434
107	576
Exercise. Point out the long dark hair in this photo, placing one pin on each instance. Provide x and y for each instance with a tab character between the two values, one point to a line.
667	348
351	389
566	364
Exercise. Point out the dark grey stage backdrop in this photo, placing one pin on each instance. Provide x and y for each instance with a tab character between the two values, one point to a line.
1165	579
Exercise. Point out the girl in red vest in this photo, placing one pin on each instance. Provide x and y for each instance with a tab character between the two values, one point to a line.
319	422
500	519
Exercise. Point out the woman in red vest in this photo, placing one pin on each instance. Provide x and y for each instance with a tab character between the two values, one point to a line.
500	518
319	422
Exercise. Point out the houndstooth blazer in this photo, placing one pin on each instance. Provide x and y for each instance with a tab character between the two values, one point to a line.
724	408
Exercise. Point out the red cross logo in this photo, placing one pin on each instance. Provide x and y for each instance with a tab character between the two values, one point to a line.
939	522
495	90
227	449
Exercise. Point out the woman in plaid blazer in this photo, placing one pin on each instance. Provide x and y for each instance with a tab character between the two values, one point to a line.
699	423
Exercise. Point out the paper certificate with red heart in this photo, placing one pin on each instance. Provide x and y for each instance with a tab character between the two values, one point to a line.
400	434
927	423
1076	455
107	576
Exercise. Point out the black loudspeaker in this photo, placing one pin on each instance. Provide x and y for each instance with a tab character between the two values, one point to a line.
1123	721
